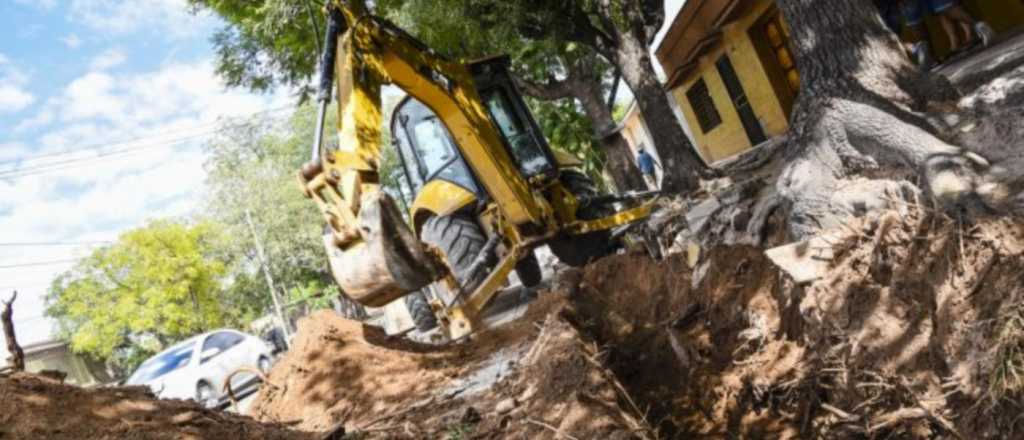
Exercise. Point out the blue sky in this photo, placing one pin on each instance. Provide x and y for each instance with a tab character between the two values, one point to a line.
104	108
81	82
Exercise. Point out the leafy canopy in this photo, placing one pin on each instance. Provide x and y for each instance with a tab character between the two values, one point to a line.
161	282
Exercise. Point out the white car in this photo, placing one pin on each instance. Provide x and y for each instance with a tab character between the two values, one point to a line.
197	367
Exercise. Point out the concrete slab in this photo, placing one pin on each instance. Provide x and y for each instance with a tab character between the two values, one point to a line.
698	216
804	261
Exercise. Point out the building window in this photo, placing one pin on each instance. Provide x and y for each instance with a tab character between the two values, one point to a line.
777	34
703	106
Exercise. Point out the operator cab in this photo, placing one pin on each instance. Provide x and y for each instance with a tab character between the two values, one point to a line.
427	150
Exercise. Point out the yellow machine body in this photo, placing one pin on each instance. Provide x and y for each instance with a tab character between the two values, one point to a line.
375	256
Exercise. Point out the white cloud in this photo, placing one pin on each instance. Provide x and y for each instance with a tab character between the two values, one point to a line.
13	97
71	41
109	194
107	59
168	17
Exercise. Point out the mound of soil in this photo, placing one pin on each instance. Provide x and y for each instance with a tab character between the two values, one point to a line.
528	379
36	407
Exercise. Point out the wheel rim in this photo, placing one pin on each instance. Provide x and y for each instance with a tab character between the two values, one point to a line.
264	365
204	394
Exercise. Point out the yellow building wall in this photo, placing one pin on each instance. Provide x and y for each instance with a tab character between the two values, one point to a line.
729	138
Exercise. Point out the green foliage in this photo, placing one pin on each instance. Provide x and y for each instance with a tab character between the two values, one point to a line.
266	43
160	282
315	294
569	130
619	112
252	173
474	29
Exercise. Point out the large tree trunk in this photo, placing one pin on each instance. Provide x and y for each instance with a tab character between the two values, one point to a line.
620	164
858	114
681	163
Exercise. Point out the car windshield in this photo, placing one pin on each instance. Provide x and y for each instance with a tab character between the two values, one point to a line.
163	363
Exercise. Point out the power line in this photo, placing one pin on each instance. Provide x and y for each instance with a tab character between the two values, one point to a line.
24	286
79	162
39	263
54	243
76	162
132	141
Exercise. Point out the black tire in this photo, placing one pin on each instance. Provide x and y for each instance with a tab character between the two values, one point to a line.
419	308
578	250
460	238
529	272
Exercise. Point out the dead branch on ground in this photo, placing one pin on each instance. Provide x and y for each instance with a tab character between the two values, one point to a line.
7	316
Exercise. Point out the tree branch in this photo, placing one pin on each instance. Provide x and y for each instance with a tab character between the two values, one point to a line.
548	91
584	31
653	17
7	316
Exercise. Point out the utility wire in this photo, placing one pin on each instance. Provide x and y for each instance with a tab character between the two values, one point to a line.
216	124
72	163
49	166
39	263
54	243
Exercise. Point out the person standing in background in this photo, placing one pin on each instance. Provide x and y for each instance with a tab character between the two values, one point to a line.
646	163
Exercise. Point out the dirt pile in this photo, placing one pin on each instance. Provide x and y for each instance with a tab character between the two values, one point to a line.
34	407
529	379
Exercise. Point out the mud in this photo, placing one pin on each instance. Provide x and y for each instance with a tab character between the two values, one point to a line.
36	407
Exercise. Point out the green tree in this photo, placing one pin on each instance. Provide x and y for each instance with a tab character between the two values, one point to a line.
252	173
155	285
620	31
266	43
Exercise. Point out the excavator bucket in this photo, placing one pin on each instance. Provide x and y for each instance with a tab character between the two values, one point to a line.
388	263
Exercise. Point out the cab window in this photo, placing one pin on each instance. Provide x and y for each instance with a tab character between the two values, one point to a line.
432	144
525	150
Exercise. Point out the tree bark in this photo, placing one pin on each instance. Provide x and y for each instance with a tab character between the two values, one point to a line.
621	32
620	162
858	112
7	316
683	167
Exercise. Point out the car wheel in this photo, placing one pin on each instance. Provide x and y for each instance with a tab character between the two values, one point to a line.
264	365
206	396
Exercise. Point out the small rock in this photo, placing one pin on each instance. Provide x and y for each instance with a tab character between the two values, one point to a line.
505	406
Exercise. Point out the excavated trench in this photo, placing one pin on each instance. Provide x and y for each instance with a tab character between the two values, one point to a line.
915	331
673	342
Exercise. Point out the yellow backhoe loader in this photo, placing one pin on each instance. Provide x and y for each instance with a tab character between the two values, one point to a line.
487	187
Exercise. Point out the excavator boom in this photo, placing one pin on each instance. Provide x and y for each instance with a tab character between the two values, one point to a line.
374	255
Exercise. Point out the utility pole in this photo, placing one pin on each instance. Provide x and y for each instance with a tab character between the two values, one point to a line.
270	280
